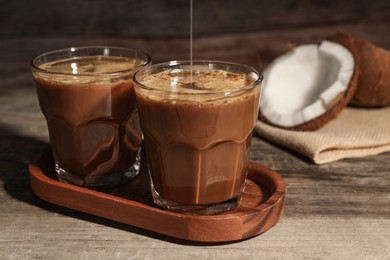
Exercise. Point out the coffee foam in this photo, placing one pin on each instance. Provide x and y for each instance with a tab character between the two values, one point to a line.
85	70
205	85
91	65
198	81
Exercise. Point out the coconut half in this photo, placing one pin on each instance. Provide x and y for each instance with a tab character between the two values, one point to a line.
308	86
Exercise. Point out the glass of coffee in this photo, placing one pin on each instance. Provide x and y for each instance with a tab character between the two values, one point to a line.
197	119
88	99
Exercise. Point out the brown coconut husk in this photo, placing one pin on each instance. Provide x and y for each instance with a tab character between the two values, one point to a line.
373	66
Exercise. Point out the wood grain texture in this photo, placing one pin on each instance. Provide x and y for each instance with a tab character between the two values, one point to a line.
170	18
261	206
338	210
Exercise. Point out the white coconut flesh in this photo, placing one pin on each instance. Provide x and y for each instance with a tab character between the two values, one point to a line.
304	83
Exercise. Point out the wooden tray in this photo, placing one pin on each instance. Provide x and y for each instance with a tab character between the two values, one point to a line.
261	207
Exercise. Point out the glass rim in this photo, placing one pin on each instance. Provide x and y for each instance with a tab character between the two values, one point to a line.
145	62
170	64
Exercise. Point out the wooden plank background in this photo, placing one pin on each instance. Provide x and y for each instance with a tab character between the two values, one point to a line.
170	18
247	31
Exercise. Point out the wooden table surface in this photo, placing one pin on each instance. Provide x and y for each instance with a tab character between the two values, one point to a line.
339	210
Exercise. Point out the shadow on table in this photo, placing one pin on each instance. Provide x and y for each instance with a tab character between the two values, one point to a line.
17	151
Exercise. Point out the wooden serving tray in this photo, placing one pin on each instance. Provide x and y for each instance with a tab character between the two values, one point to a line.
261	207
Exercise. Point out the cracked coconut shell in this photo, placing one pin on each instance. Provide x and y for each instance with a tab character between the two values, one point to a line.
308	86
373	69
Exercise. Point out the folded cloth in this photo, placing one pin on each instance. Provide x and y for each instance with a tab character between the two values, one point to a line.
354	133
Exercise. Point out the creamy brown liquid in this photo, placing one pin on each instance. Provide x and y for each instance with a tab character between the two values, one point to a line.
198	150
91	119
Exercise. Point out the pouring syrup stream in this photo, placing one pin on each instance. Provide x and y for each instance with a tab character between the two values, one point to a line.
191	16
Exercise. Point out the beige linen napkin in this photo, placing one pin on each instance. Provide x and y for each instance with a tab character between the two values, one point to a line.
354	133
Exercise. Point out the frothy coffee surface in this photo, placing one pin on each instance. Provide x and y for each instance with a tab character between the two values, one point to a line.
199	81
88	69
91	65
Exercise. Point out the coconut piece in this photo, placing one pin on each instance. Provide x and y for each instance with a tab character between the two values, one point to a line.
308	86
373	65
